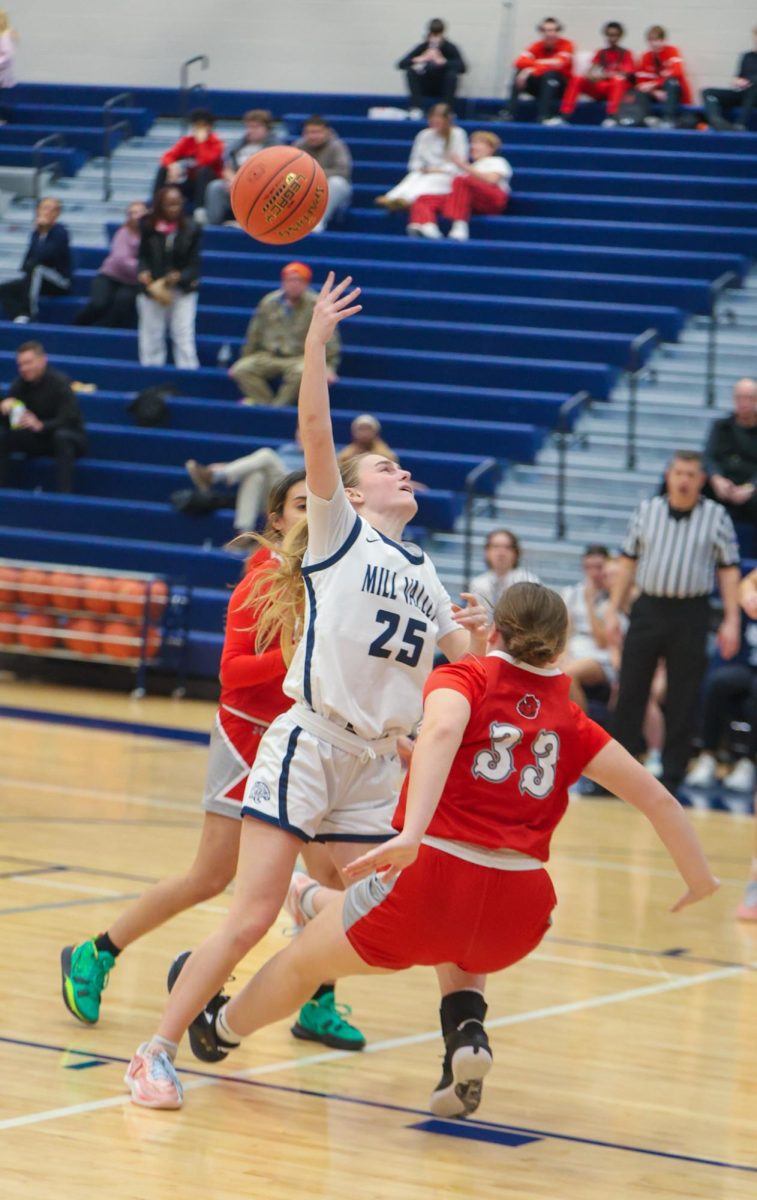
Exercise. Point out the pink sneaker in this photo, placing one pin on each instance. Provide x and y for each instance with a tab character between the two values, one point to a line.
747	910
152	1080
299	884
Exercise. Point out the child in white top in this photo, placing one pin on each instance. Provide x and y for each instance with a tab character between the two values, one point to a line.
434	160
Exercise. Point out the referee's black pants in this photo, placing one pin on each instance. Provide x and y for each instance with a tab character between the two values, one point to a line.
675	631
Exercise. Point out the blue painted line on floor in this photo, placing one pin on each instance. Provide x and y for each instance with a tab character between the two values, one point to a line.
359	1102
84	1066
28	908
675	952
32	871
475	1132
645	952
105	724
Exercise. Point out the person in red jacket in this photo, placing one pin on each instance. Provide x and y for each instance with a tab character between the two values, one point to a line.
251	697
543	70
608	78
193	162
661	75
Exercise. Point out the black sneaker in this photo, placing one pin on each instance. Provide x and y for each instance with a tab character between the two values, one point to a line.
205	1042
467	1061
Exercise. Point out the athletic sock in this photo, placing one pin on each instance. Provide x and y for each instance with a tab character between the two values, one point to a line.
160	1043
306	901
103	942
326	989
226	1035
459	1007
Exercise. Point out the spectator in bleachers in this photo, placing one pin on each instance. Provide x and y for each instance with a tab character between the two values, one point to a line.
113	295
430	167
432	69
588	659
40	416
7	52
502	555
609	77
482	188
331	153
46	269
366	439
253	475
193	162
731	454
661	75
543	70
258	135
729	694
742	94
275	341
169	273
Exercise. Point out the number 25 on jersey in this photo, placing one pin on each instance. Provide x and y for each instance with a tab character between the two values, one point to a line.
496	764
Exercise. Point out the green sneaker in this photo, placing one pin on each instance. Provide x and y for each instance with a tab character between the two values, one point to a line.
324	1021
84	977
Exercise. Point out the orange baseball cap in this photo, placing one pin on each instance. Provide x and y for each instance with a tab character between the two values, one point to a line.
297	268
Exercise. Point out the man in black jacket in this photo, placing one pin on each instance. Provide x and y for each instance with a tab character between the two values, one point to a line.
40	416
46	269
432	69
731	454
741	94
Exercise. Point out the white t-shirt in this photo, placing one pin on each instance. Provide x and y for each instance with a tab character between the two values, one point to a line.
375	610
490	586
495	164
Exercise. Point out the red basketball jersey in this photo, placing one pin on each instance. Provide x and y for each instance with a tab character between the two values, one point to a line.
251	683
523	747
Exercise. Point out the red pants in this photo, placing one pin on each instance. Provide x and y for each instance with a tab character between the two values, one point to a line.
611	90
469	195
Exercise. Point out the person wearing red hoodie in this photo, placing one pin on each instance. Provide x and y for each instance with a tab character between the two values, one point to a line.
608	78
193	162
543	70
661	75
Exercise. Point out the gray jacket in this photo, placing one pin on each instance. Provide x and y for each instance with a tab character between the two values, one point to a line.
333	156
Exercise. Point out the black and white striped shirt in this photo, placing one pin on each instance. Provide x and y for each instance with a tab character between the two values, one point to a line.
678	551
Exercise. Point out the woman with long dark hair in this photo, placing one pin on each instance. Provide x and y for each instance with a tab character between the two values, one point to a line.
169	274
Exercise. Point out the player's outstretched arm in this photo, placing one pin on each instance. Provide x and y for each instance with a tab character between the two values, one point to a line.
615	769
332	306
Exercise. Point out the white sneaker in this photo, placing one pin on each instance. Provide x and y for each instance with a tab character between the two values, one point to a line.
429	230
741	778
413	229
459	231
654	763
609	122
555	121
22	320
703	773
416	114
152	1080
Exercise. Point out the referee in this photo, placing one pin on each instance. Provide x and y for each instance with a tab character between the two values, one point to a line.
673	545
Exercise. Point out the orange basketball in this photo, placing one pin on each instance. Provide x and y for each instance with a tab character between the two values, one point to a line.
114	643
279	195
131	597
32	590
67	591
8	584
8	637
36	641
86	637
100	596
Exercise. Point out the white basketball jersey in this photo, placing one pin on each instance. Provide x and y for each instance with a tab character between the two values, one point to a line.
375	610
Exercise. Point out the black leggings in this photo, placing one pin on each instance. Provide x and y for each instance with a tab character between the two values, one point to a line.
730	694
111	303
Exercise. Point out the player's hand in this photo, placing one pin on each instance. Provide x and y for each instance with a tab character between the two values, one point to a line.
696	893
475	618
331	307
388	860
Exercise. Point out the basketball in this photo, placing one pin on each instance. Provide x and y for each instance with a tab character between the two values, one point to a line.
114	640
131	597
32	589
100	595
66	591
85	636
8	584
8	637
36	641
279	195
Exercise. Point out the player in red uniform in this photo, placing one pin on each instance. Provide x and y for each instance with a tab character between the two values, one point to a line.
464	882
608	78
251	697
661	74
543	70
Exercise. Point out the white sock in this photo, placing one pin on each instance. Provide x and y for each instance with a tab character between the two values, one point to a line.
306	901
160	1043
224	1030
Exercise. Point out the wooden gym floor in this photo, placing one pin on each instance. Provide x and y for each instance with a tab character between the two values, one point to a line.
625	1048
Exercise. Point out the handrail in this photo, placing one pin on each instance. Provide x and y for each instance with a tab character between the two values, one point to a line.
122	100
52	139
726	280
108	132
184	88
563	429
634	370
486	466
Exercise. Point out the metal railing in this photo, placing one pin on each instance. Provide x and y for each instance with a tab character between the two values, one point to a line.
727	280
122	100
635	367
185	90
52	139
562	434
485	467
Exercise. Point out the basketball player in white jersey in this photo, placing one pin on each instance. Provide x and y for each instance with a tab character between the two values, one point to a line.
375	613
